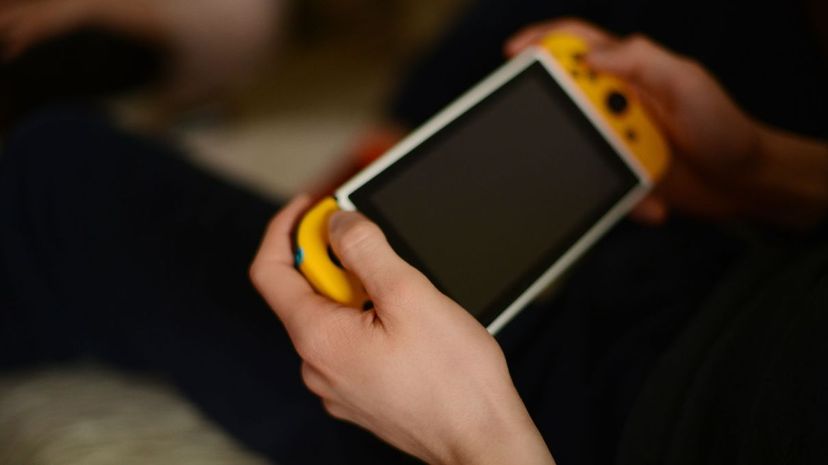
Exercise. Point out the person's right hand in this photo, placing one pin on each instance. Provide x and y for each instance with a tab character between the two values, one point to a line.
715	142
417	369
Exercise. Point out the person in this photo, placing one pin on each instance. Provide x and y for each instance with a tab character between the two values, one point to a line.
184	52
141	260
424	375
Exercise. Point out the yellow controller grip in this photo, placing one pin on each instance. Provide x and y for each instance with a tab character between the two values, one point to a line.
615	102
315	258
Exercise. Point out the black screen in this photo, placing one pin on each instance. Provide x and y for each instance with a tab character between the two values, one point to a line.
491	201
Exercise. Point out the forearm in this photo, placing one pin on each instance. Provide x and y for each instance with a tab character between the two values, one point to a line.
788	184
508	435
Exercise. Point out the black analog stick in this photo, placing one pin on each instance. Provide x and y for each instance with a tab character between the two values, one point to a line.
333	257
617	102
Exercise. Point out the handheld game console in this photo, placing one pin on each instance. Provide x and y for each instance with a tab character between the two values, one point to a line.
624	150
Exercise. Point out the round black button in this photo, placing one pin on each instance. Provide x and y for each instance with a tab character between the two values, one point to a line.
617	102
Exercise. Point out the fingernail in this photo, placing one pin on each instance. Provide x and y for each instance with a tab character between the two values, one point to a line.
336	219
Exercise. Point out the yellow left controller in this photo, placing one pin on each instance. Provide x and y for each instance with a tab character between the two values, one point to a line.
316	261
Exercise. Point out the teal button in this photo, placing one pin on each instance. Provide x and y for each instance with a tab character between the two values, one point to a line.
299	257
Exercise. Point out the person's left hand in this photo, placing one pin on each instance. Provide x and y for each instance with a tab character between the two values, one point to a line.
417	370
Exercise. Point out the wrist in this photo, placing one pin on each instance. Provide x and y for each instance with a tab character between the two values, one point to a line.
505	434
787	182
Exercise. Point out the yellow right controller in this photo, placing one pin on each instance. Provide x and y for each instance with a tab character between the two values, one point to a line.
614	101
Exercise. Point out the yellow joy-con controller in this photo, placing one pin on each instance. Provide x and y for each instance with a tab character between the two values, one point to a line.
315	258
612	99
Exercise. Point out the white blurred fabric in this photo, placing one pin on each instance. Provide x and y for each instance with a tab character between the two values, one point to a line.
90	416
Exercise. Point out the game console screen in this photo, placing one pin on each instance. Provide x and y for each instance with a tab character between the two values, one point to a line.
487	204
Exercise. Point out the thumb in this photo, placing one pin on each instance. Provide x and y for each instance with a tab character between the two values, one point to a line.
363	250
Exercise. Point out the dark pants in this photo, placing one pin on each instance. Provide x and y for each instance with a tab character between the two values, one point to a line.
113	247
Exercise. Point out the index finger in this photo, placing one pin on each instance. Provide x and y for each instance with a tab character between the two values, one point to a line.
594	36
286	291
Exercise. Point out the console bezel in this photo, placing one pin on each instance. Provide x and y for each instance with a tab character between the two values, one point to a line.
469	100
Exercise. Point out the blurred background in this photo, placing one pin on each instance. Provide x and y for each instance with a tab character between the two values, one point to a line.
264	91
329	80
275	104
283	96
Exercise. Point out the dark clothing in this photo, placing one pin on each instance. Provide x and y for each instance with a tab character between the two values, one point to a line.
115	248
738	40
746	382
112	246
68	66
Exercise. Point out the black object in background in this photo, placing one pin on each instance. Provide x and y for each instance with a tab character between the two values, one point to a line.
83	65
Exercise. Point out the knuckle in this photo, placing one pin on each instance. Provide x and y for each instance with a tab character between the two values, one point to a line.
256	273
565	22
575	24
308	350
333	409
314	346
400	290
639	41
640	47
323	341
307	346
312	380
692	80
693	68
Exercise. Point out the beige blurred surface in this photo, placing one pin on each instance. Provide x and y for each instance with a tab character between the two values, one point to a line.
85	415
303	112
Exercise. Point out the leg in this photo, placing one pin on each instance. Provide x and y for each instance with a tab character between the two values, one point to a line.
114	247
580	361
